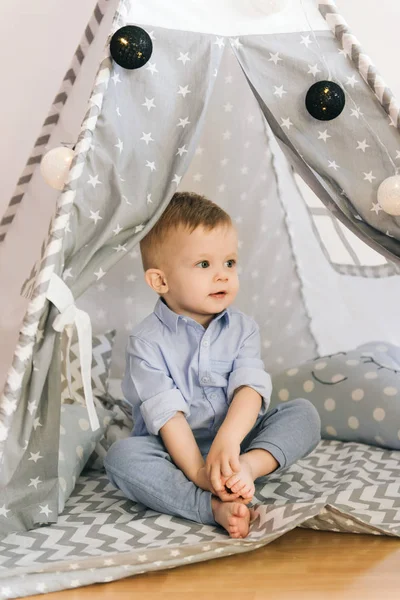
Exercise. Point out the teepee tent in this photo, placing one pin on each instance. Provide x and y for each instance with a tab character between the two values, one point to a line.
219	109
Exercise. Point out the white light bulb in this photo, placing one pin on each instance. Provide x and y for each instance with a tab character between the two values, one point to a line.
55	165
268	7
389	195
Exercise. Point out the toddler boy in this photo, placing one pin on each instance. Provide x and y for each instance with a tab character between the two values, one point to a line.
202	430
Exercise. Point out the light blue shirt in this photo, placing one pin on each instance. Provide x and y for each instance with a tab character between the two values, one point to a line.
174	364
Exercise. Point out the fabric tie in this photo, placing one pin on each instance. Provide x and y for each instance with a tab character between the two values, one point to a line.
70	316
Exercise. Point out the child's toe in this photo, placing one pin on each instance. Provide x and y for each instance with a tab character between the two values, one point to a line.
241	510
235	535
232	481
237	487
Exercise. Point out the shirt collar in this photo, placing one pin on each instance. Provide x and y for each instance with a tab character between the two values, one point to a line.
171	318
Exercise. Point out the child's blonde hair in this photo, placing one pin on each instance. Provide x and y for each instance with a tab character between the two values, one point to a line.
186	209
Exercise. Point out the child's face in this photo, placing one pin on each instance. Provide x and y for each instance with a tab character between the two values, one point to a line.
201	271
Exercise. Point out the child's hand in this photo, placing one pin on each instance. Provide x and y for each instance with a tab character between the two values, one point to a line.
203	482
223	462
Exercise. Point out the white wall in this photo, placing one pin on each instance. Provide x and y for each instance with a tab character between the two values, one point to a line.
376	25
37	40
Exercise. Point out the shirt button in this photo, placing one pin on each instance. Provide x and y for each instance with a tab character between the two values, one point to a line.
205	343
213	396
205	379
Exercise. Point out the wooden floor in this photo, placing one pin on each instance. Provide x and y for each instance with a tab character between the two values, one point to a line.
301	565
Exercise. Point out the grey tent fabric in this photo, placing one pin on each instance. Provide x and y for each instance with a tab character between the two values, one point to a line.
104	223
336	172
146	134
233	165
342	248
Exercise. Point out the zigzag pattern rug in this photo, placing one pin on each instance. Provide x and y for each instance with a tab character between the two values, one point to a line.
101	536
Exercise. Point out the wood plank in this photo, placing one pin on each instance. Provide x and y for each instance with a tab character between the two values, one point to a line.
301	565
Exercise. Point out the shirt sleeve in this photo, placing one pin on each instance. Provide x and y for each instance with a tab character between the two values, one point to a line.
148	385
248	369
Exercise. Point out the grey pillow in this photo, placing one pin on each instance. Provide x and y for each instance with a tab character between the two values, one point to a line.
102	345
356	393
77	442
120	427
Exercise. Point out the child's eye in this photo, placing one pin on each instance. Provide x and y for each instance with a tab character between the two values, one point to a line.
203	264
231	263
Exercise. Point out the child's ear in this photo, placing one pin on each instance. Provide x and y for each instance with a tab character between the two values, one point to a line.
157	280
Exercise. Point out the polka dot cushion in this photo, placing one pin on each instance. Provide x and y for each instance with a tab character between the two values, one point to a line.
356	393
77	442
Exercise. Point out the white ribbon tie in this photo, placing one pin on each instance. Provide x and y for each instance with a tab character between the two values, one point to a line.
70	316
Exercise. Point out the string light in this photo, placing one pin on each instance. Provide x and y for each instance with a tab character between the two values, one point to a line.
131	47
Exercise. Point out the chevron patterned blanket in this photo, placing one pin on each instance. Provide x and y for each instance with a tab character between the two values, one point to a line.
101	536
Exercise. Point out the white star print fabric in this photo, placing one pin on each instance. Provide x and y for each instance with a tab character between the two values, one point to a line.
343	160
141	147
132	158
233	166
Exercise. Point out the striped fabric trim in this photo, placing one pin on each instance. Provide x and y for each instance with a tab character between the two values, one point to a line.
359	268
337	246
388	270
362	62
29	334
52	118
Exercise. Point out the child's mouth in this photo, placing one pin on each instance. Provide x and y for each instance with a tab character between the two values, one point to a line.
219	295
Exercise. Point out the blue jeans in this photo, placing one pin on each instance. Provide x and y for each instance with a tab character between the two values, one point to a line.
144	471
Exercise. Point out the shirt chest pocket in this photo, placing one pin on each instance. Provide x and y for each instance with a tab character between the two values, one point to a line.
220	371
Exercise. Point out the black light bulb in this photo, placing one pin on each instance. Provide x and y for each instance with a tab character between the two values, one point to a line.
131	47
325	100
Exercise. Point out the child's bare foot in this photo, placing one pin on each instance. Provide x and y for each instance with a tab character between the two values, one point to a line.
242	483
225	495
233	516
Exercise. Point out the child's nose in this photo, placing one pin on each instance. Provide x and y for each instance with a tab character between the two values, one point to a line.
222	276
